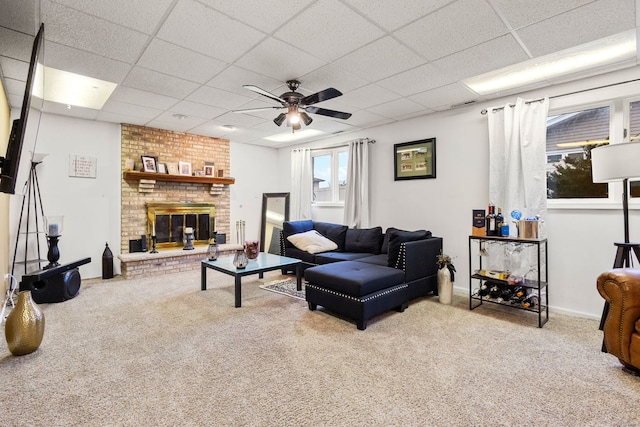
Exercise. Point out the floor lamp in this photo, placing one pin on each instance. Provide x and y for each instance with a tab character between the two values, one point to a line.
618	162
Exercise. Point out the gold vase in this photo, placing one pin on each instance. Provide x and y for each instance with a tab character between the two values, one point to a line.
24	327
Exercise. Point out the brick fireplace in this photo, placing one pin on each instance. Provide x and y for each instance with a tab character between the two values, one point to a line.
138	194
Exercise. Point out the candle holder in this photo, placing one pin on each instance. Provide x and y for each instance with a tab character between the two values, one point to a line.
153	245
188	239
54	228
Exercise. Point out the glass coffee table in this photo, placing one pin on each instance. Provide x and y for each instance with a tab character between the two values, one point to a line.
264	262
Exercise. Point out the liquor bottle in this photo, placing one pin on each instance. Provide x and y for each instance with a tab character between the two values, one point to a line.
495	291
507	293
490	222
484	290
499	222
530	302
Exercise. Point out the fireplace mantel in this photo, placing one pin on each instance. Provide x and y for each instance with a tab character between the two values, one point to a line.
147	180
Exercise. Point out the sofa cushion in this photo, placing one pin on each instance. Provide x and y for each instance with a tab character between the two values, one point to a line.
354	278
380	259
290	228
335	232
397	237
312	241
385	241
303	256
328	257
366	240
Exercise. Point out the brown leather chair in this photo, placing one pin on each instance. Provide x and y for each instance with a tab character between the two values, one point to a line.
620	287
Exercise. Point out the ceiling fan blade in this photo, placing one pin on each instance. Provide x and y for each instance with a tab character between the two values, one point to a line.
323	95
253	110
329	113
263	92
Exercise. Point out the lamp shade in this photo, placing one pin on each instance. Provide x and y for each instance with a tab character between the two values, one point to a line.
615	162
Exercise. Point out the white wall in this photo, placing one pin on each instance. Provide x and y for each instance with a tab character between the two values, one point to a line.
90	206
254	168
580	240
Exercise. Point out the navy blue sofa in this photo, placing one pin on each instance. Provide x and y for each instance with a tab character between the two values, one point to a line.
370	272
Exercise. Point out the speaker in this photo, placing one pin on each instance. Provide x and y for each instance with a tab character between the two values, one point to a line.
143	243
57	288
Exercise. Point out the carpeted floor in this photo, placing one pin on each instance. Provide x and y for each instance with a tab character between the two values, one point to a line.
160	352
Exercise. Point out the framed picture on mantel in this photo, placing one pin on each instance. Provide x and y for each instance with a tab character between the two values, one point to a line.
414	160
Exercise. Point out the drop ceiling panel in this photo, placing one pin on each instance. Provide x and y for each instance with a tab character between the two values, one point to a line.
15	45
260	14
279	60
398	107
79	30
331	76
520	13
363	118
367	96
105	116
452	29
162	84
399	14
179	62
14	69
202	29
380	59
418	79
123	108
167	121
444	97
234	78
195	109
544	38
491	55
343	30
217	98
139	15
240	120
62	110
141	97
19	15
85	63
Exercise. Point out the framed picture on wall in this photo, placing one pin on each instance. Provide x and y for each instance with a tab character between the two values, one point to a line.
414	160
172	169
162	168
185	168
149	164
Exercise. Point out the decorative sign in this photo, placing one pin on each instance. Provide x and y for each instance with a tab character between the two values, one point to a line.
82	166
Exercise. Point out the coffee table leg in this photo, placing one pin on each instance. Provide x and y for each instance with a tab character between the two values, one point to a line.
238	303
299	277
203	278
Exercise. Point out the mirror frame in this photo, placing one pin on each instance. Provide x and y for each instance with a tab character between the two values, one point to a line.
263	220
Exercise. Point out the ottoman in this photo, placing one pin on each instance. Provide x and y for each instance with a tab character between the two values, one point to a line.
356	290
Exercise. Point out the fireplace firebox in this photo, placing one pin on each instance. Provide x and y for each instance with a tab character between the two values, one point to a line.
169	219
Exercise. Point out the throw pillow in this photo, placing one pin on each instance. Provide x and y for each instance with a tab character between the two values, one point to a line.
290	228
335	232
312	242
364	240
396	237
385	241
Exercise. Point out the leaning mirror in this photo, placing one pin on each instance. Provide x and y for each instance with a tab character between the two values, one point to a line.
275	210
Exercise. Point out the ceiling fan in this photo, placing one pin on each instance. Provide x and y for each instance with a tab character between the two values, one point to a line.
297	105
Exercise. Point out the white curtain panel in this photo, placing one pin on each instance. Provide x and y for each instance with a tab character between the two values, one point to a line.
356	202
517	158
301	184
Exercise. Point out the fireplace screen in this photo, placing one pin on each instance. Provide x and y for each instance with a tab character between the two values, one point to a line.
170	219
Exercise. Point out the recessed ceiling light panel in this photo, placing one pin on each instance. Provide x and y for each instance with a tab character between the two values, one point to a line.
74	89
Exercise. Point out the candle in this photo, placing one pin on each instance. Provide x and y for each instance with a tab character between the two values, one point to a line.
53	230
153	230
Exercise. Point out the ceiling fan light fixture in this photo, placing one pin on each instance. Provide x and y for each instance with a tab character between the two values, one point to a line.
306	119
280	119
293	116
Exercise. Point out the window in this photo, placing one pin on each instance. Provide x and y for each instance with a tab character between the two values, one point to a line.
570	139
330	175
